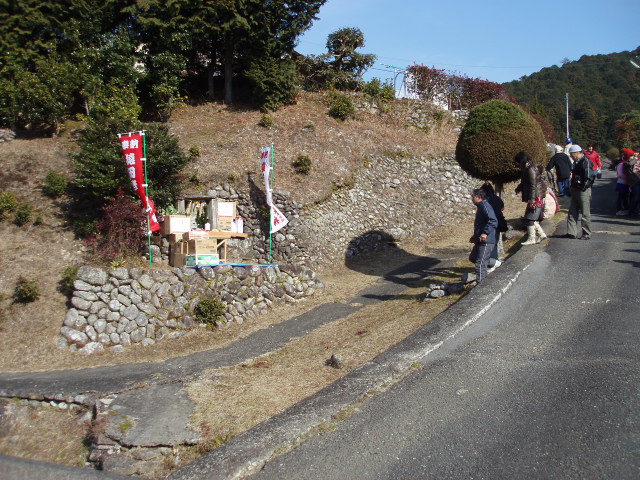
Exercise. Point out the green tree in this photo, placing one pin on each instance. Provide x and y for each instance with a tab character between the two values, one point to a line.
348	65
609	84
53	52
494	133
227	36
40	96
628	130
274	82
99	165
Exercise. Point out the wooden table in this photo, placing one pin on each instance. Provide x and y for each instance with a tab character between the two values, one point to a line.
221	239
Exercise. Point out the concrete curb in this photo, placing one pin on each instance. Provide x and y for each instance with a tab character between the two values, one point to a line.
247	453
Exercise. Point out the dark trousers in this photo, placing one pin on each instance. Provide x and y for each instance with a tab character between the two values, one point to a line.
480	256
563	187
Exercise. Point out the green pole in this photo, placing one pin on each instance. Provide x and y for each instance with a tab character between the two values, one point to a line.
273	179
146	189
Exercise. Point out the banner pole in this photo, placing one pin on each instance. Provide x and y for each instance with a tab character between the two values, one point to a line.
273	178
146	189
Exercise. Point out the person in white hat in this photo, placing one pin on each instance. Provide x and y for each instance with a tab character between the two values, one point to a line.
562	164
582	177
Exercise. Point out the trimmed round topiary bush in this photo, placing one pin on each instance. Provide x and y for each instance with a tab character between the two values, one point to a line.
494	133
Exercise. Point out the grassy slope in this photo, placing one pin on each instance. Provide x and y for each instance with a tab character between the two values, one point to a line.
229	140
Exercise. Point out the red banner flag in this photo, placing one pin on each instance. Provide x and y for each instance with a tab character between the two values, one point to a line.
132	149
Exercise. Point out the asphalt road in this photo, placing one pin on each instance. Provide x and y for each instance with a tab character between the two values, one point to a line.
544	385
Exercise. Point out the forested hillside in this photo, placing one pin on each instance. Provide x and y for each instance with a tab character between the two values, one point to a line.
602	89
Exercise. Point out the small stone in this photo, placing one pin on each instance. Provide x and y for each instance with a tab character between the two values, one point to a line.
335	361
92	347
468	278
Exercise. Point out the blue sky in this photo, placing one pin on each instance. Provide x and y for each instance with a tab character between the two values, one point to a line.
498	40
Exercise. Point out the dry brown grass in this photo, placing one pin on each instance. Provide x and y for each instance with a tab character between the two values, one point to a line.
232	400
47	434
230	142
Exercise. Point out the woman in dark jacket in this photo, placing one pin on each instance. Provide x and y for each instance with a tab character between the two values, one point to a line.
533	189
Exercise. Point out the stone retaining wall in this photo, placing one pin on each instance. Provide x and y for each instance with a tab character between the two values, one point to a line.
119	307
394	197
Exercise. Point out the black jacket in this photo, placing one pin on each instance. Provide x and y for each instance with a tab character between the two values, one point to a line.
562	163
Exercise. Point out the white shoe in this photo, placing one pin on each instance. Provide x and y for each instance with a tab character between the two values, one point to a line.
622	212
494	266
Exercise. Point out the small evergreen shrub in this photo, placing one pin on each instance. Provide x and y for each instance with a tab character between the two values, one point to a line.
210	311
613	153
26	291
194	152
8	204
69	275
55	184
273	82
302	164
376	90
266	121
341	107
24	214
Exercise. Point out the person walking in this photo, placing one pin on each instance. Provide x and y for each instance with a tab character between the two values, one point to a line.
484	233
596	162
582	177
562	164
622	184
532	189
498	206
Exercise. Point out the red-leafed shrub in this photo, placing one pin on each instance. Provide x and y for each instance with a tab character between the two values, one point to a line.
122	233
428	83
457	91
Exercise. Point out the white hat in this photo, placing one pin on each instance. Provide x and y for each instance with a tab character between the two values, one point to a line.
558	148
575	148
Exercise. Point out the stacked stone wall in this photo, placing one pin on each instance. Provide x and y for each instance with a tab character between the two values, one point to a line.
119	307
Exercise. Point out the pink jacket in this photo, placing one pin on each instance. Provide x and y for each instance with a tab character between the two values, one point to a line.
623	178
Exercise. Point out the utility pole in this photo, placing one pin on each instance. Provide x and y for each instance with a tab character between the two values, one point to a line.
397	71
567	102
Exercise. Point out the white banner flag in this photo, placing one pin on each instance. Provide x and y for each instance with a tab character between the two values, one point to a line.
278	220
266	172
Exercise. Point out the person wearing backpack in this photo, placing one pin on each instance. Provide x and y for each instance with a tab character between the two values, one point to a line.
562	164
582	177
